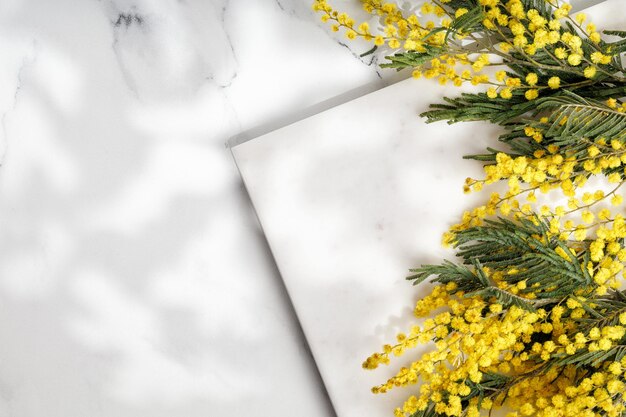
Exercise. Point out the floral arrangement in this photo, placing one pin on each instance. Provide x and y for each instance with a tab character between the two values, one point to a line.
531	318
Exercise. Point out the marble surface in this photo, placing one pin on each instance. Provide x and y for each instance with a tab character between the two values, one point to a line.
352	197
134	278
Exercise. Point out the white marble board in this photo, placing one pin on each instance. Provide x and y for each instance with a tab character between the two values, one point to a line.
349	199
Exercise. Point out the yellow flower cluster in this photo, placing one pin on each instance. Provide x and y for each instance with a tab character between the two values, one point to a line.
476	339
585	217
398	31
515	36
514	339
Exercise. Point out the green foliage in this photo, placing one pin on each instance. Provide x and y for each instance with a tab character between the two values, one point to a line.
584	118
574	123
490	383
412	59
604	311
470	22
517	110
527	248
477	106
520	251
586	358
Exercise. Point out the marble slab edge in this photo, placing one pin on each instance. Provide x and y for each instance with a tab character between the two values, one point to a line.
289	119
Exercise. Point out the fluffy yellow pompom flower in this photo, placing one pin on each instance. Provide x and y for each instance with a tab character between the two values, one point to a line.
560	53
593	151
616	200
587	217
554	82
574	59
590	71
531	94
595	37
460	12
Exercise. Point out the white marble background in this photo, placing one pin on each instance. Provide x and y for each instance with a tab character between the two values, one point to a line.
134	280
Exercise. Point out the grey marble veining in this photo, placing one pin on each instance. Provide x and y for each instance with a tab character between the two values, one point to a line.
350	199
134	279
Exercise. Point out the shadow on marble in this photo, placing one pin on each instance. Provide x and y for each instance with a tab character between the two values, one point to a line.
135	280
